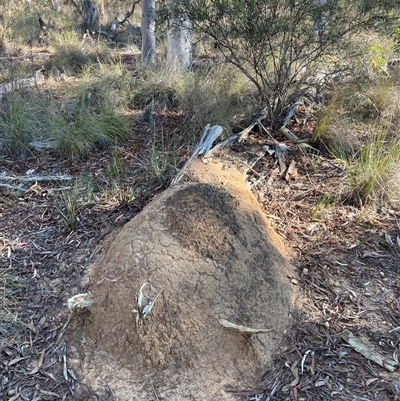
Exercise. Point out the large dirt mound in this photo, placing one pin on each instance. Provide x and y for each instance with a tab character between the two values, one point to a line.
207	249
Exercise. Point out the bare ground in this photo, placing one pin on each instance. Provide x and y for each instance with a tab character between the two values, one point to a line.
347	261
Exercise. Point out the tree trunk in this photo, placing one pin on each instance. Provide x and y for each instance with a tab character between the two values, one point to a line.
179	43
148	32
56	5
319	21
90	16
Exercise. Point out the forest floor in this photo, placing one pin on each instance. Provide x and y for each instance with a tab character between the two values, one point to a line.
347	261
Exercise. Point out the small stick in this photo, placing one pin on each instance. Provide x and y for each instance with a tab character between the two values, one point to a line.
273	390
152	385
64	357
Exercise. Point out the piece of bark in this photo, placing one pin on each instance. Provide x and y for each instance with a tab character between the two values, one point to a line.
19	188
280	152
291	171
204	147
367	350
243	330
289	135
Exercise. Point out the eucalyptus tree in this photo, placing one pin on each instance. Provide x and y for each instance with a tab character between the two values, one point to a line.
179	37
88	10
148	32
90	16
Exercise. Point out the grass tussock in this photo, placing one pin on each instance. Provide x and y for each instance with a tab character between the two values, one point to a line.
70	219
23	120
70	56
12	290
373	170
116	174
359	125
86	122
89	131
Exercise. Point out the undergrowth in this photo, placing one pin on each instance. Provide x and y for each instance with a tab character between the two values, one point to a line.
115	176
359	125
216	95
12	290
88	119
373	170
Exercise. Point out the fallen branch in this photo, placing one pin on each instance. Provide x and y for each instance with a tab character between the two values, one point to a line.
35	178
243	330
245	133
366	350
263	129
38	79
280	153
112	32
210	134
13	187
289	135
290	115
291	171
118	21
42	145
273	390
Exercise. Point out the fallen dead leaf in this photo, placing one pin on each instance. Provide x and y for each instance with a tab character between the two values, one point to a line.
39	363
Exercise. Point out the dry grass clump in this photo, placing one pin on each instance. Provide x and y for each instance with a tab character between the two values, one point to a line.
22	120
221	96
12	290
218	95
70	55
360	126
373	170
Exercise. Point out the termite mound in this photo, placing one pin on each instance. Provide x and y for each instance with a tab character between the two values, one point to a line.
207	245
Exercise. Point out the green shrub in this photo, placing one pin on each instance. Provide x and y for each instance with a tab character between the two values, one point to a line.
278	44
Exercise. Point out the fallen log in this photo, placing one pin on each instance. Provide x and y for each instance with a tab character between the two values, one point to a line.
23	83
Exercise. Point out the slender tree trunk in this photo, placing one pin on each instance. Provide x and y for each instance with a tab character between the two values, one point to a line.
148	32
90	16
56	5
179	43
319	21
